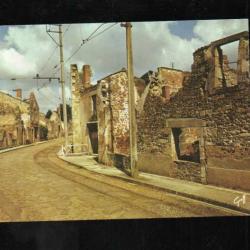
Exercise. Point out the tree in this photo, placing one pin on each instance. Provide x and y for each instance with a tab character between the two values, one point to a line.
69	112
43	133
48	114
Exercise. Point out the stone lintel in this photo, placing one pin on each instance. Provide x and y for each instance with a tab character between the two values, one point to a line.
185	123
230	39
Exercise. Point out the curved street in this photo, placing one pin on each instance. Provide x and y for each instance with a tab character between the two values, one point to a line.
37	186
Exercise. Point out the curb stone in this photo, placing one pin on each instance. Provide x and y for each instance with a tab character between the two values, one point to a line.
183	194
22	146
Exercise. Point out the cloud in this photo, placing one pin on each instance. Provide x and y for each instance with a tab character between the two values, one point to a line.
211	30
156	46
14	63
25	50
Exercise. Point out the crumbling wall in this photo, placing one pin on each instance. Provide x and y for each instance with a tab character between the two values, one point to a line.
10	121
243	60
82	108
105	147
226	112
77	129
113	119
173	79
54	125
15	117
229	73
14	102
117	111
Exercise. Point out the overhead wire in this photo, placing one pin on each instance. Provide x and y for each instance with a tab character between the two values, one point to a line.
84	41
102	31
49	58
95	30
89	38
53	52
66	30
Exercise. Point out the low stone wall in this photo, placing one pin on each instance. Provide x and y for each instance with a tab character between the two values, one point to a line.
229	178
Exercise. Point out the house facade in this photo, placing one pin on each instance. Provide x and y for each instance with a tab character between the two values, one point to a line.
19	119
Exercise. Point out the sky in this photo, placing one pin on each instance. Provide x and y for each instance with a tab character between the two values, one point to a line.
28	50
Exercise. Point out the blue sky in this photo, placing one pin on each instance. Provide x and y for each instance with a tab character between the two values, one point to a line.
3	31
25	51
183	29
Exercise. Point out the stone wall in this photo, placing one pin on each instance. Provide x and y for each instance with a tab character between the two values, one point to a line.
116	112
19	119
76	114
54	126
83	112
172	78
226	135
227	115
14	102
113	119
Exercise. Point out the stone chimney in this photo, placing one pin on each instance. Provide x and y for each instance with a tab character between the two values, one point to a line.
18	93
86	76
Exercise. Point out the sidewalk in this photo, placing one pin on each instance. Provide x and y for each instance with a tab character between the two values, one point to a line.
21	146
227	198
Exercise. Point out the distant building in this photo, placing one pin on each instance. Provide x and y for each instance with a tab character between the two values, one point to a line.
43	130
54	126
19	119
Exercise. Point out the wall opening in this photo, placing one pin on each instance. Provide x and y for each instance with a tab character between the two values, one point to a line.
165	92
227	64
187	146
93	107
93	135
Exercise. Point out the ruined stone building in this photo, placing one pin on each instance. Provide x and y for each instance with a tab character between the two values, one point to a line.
19	119
100	114
43	131
51	127
202	133
84	115
54	126
193	125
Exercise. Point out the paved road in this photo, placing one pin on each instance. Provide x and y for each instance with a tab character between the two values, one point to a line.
35	186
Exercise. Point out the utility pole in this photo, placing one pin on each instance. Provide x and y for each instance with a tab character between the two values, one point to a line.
62	80
131	102
63	86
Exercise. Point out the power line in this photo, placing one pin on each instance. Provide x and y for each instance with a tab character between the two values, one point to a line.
15	78
80	27
103	31
66	30
95	31
84	41
51	93
53	52
49	58
79	47
48	99
89	38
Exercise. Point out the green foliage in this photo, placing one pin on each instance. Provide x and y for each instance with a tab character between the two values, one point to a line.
48	114
69	112
43	133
